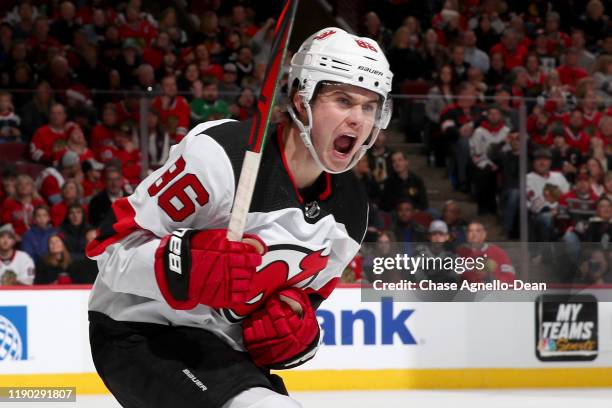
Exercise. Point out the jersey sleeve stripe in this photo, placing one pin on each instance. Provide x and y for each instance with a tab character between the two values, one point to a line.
120	223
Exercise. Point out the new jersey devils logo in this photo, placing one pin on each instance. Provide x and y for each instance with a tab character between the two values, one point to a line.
283	266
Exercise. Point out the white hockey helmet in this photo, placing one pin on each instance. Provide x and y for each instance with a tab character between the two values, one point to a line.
335	56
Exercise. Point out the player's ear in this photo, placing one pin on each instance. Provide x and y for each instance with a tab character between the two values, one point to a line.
298	104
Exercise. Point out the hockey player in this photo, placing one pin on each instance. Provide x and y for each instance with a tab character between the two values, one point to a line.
180	316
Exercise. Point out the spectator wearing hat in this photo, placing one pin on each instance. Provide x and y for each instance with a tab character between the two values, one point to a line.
72	193
50	137
34	241
51	179
92	178
492	131
16	267
403	183
228	87
101	203
73	229
52	268
206	104
19	210
437	248
539	207
174	111
128	62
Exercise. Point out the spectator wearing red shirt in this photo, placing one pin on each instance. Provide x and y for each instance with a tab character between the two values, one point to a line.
514	53
49	138
92	178
128	109
590	114
76	143
19	210
205	65
576	205
497	264
537	128
102	134
72	193
173	110
125	150
570	73
574	133
137	27
154	54
51	180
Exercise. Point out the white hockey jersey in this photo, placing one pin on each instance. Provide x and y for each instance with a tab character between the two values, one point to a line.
21	264
311	235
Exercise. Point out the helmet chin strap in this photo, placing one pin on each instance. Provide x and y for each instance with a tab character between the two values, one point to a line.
305	135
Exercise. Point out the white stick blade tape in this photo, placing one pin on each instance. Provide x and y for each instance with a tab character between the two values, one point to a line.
244	193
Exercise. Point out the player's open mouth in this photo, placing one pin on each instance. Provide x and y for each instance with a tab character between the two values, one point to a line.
343	144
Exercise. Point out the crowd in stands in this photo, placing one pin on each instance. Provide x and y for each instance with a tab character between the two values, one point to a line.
74	75
476	64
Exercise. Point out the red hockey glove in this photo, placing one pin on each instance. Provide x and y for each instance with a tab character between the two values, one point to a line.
278	337
193	267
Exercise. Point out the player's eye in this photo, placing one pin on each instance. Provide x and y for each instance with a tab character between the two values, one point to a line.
344	101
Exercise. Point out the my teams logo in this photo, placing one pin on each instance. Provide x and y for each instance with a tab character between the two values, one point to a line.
282	266
566	328
13	333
